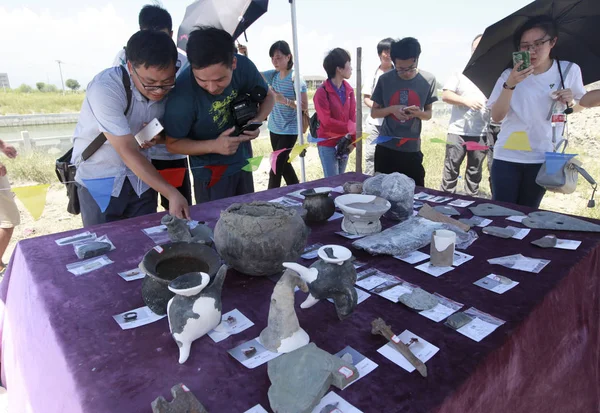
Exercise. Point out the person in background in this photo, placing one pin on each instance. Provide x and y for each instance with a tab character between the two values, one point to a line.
468	123
9	213
150	70
199	117
404	98
153	17
335	105
283	120
522	101
373	125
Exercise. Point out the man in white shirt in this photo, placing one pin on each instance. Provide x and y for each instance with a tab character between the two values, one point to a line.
153	17
372	126
118	113
468	123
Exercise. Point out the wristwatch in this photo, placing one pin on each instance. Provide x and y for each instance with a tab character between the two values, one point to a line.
505	86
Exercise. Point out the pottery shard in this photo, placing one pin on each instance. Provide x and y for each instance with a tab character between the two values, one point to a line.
419	300
183	401
300	379
549	241
257	238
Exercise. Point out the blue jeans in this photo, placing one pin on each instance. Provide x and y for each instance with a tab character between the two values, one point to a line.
331	165
515	183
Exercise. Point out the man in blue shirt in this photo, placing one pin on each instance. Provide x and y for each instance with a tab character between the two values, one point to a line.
199	120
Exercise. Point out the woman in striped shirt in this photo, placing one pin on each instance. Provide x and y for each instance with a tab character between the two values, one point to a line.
283	122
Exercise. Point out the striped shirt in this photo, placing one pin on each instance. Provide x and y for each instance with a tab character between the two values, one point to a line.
283	119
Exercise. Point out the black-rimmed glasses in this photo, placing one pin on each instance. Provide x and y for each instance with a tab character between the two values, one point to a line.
152	88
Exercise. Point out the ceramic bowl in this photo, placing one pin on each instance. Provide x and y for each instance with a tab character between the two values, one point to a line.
362	213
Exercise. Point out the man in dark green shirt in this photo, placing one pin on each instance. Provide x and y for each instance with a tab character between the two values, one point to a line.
199	121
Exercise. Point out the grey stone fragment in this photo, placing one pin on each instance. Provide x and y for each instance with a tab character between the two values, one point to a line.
300	379
554	221
179	231
457	320
549	241
473	221
499	232
397	188
93	249
491	210
446	210
183	401
419	300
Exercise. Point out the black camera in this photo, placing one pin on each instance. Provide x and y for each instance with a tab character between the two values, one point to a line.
245	107
342	149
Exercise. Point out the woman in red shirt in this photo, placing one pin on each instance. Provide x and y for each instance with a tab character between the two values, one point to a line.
335	105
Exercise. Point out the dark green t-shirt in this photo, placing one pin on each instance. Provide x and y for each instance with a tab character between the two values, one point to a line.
392	90
192	112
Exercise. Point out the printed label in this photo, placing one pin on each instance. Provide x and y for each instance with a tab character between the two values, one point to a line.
346	372
158	249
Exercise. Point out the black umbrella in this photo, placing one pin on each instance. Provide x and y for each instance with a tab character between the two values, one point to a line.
234	16
578	40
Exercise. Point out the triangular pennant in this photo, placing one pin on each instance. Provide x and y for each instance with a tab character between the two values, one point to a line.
274	155
174	176
364	136
475	146
100	189
438	140
253	164
404	140
217	173
381	139
555	161
518	141
33	198
312	139
297	150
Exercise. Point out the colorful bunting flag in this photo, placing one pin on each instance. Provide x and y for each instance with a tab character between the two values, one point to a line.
381	139
364	136
475	146
518	141
100	189
438	140
174	176
33	198
311	139
253	164
404	140
297	150
217	173
555	161
274	156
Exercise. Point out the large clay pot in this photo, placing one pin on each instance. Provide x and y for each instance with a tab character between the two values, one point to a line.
164	263
319	205
257	237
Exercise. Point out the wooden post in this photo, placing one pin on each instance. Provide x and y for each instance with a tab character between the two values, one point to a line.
359	114
26	141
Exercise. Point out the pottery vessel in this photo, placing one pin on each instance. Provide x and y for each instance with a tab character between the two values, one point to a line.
319	205
353	187
164	263
362	213
256	238
332	276
195	309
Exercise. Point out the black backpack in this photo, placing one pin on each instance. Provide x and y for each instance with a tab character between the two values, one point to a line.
314	119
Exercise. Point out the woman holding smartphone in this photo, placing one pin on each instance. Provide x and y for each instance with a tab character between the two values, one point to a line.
283	122
524	102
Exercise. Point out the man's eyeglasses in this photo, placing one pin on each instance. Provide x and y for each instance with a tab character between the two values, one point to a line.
152	88
535	46
410	69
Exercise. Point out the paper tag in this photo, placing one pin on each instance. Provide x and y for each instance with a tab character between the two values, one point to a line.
158	249
395	339
185	389
346	372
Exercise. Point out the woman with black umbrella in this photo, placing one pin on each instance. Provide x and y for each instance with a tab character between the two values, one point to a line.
522	101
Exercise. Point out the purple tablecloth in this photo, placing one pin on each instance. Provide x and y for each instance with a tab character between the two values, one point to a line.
63	352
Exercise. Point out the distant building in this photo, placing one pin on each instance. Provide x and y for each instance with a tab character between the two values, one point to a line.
313	82
4	83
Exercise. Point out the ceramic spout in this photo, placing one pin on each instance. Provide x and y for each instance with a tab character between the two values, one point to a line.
307	274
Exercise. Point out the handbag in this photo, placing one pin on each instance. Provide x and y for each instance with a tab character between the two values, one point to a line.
65	170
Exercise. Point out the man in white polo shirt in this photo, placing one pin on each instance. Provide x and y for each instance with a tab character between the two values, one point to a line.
110	109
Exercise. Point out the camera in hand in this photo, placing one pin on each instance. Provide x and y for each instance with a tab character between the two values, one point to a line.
245	107
342	149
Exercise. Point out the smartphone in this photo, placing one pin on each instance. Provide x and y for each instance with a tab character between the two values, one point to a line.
252	126
523	58
149	131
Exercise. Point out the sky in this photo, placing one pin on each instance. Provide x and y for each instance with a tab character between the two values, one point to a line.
86	35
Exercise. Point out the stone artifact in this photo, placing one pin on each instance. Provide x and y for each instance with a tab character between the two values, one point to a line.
183	401
283	333
397	188
410	235
196	308
499	232
378	326
446	210
332	276
319	205
362	213
164	263
458	320
558	222
443	243
431	214
353	187
419	300
179	231
300	379
549	241
491	210
257	237
93	249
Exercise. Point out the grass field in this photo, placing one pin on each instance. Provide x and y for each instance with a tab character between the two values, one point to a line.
16	103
